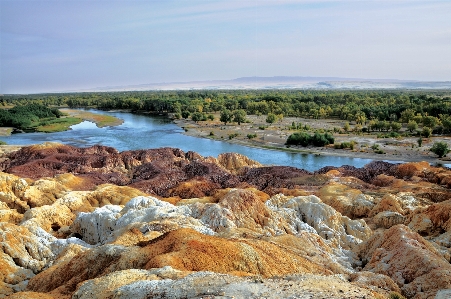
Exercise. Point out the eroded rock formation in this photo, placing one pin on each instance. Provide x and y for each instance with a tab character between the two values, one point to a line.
96	223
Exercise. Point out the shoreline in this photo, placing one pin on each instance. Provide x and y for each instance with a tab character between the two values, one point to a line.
199	131
273	137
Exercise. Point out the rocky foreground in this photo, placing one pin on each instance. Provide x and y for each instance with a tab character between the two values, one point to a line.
162	223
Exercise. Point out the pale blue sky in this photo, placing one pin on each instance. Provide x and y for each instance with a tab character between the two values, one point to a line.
49	46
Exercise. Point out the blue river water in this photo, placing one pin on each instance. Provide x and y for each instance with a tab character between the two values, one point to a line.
144	132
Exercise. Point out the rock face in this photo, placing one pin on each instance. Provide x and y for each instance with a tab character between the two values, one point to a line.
412	262
96	223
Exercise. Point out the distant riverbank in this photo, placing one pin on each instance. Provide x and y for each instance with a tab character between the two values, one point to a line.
274	136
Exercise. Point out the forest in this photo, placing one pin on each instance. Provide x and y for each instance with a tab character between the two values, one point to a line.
35	117
373	110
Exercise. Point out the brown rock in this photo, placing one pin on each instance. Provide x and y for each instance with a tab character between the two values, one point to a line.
234	162
412	262
346	200
388	203
182	249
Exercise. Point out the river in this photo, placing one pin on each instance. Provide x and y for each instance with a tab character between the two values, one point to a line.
144	132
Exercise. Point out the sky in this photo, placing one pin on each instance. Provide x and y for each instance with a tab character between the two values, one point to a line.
68	45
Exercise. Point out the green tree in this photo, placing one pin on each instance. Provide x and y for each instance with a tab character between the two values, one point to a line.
430	121
440	148
412	126
302	138
395	126
360	117
346	127
197	116
185	114
447	123
407	115
239	116
427	132
226	116
271	118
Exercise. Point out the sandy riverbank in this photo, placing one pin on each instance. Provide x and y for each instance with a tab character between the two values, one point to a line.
274	136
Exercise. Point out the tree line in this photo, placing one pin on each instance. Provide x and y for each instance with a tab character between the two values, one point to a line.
23	116
378	110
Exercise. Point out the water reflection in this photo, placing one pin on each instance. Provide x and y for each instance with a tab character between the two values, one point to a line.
142	132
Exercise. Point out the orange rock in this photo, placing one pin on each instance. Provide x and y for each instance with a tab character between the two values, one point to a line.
388	203
432	220
346	200
412	262
108	194
234	162
186	250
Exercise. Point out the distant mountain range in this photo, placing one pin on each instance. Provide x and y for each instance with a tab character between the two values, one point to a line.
282	82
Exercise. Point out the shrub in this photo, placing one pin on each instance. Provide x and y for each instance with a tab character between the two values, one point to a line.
306	139
231	136
420	141
251	136
299	139
395	295
427	132
185	114
319	139
440	148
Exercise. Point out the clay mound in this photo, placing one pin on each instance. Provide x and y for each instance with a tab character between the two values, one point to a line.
433	220
269	178
412	262
194	189
234	162
108	194
182	249
247	209
366	173
346	200
153	171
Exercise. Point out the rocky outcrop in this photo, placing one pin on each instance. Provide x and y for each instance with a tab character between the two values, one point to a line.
182	249
96	223
157	284
411	261
346	200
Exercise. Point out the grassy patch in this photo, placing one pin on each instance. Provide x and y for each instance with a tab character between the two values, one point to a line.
105	120
100	120
57	125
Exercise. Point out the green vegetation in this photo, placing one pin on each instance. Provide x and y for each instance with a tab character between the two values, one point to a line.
440	148
251	136
271	118
395	295
305	139
2	142
231	136
28	116
345	145
389	112
239	116
226	116
57	125
36	117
